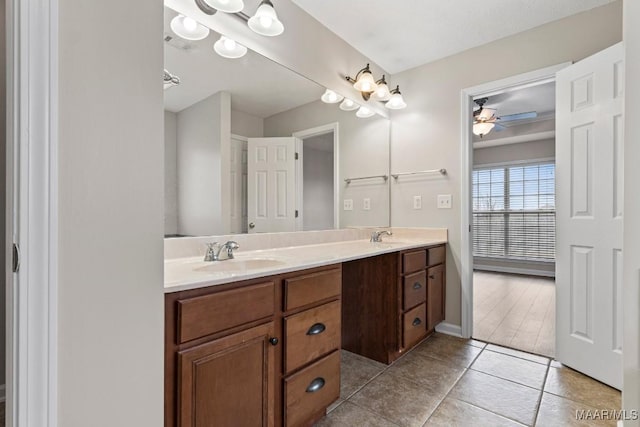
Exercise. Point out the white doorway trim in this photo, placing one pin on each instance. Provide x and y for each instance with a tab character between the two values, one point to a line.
520	81
32	209
320	130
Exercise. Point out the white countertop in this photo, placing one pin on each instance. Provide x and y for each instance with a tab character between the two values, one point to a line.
182	274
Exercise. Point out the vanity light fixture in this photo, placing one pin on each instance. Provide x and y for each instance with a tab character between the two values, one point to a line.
396	102
228	6
229	48
382	93
265	21
188	28
364	82
330	97
364	112
348	105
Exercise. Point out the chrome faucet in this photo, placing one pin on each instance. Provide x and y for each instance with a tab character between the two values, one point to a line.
214	251
375	236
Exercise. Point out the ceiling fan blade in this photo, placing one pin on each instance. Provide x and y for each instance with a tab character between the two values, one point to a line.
486	114
519	116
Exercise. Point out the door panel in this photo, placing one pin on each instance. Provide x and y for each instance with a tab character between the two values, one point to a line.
589	210
271	184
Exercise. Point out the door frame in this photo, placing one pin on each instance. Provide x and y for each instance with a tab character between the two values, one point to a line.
320	130
32	212
520	81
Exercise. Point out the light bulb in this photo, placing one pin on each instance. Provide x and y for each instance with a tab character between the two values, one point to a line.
266	21
189	24
330	97
229	48
229	44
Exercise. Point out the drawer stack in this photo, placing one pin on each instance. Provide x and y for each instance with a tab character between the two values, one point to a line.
414	299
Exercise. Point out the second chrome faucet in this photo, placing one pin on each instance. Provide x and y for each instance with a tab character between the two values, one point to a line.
217	252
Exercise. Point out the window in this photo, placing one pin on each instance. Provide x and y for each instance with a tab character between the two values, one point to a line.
514	212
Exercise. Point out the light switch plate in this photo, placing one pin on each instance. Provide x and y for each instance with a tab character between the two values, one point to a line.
444	201
366	204
417	202
348	204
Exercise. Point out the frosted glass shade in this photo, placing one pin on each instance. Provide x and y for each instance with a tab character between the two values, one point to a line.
227	6
265	21
330	97
482	128
188	28
348	105
364	112
229	48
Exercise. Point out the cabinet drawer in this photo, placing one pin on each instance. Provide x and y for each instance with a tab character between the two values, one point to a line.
435	296
208	314
305	290
414	289
311	390
414	261
311	334
414	325
436	255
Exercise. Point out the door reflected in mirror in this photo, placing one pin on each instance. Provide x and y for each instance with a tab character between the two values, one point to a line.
251	148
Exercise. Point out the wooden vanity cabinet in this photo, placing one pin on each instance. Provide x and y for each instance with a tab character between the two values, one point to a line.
262	352
391	302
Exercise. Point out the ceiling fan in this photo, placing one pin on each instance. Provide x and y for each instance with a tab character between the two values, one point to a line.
485	119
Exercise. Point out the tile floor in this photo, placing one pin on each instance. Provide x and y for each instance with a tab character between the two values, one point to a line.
447	381
515	311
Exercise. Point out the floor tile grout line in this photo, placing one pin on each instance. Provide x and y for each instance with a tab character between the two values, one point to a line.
375	413
506	379
544	384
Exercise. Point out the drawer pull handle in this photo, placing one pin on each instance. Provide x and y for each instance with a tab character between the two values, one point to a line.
417	285
416	321
315	385
273	341
431	276
316	329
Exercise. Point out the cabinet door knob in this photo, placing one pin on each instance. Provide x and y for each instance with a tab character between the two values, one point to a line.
273	341
315	385
416	321
252	225
316	329
417	285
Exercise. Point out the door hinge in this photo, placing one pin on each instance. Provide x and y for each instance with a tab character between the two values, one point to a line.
469	228
296	213
296	156
16	258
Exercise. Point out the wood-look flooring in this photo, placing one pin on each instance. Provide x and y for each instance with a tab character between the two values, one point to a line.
515	311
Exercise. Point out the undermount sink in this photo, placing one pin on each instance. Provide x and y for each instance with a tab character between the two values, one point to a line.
234	265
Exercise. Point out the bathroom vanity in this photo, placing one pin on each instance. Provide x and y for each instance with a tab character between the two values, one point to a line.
263	348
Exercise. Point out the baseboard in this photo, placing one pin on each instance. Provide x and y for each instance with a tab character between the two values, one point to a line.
3	393
514	270
449	329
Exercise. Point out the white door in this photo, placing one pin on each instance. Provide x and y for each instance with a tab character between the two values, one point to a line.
238	182
271	184
589	208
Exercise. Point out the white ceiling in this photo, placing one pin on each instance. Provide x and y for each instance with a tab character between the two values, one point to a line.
258	86
399	35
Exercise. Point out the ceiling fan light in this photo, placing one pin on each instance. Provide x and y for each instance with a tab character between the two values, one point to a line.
396	102
229	48
365	82
486	114
348	105
227	6
330	97
188	28
364	112
265	21
482	128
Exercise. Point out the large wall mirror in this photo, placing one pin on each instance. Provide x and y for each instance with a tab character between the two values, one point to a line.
251	148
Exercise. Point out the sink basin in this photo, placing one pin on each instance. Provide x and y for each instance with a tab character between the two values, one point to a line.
234	265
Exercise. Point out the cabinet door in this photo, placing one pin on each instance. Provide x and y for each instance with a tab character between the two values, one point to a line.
229	381
435	296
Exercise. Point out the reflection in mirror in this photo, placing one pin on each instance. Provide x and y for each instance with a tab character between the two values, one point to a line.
250	147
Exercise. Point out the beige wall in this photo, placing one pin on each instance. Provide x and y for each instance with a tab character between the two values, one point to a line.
631	249
532	150
110	301
363	151
427	134
3	183
170	173
245	124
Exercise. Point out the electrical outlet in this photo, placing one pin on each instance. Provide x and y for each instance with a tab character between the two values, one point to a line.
348	204
417	202
444	201
366	204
